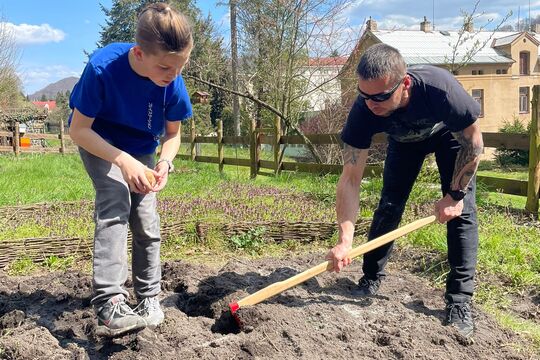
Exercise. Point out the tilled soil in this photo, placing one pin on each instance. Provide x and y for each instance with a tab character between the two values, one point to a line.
49	317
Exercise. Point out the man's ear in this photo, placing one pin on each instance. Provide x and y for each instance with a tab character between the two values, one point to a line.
407	81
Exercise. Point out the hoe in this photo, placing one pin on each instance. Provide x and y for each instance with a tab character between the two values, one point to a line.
281	286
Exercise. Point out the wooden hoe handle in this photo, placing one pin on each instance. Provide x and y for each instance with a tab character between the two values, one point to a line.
281	286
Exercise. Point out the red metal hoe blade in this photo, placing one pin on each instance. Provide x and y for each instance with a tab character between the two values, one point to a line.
234	308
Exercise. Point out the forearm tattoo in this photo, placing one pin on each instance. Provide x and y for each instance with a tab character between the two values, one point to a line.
467	161
350	154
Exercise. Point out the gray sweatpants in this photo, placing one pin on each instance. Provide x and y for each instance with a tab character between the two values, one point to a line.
115	208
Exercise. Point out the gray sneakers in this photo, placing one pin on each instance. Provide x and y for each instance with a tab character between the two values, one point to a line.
150	311
116	318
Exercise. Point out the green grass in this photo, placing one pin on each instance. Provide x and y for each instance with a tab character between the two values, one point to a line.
515	174
22	266
55	263
509	251
29	179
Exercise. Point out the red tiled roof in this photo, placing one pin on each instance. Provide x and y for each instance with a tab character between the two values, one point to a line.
328	61
42	104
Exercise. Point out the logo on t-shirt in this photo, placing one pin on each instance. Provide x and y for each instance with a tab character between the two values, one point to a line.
149	121
404	130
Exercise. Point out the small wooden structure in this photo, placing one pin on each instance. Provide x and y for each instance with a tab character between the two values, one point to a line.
200	97
27	120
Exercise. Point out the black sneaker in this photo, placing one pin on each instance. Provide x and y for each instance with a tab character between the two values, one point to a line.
367	287
459	315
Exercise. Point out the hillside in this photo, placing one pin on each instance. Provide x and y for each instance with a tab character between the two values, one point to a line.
51	90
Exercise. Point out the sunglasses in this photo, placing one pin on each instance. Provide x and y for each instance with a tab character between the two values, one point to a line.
380	97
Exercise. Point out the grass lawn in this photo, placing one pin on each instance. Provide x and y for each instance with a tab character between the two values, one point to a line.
515	174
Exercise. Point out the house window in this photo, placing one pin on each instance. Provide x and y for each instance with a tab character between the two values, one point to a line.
475	72
524	99
524	63
478	95
478	72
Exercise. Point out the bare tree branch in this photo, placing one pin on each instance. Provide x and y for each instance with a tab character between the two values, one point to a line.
269	107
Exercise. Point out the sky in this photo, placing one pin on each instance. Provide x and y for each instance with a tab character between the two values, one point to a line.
52	36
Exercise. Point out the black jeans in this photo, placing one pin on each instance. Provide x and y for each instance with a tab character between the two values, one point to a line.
402	165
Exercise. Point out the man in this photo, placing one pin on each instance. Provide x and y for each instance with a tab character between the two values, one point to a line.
423	110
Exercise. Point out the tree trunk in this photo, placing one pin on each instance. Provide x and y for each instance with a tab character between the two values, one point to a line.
234	67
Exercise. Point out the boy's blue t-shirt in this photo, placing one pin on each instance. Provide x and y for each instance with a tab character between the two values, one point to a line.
129	110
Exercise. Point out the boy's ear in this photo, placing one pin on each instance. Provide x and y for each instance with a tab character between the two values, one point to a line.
138	52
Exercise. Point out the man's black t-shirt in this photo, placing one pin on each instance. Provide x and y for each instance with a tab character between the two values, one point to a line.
437	100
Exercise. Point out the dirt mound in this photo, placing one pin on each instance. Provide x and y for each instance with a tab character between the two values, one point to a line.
48	317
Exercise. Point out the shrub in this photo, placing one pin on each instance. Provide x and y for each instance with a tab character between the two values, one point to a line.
250	241
508	157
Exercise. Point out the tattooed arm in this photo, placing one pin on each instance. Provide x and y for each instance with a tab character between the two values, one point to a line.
347	203
467	161
468	156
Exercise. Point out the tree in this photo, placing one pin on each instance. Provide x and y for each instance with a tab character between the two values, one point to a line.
61	99
10	84
120	22
234	67
43	97
279	39
62	110
458	60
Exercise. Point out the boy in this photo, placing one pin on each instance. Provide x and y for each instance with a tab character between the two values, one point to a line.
129	96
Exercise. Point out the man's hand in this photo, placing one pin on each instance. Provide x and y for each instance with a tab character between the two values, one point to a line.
447	208
338	255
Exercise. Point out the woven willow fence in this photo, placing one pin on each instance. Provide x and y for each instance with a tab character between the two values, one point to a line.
38	249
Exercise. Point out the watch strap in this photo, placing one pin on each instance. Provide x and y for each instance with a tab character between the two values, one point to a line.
457	195
169	163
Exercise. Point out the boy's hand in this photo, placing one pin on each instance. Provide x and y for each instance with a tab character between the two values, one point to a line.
150	177
134	173
162	175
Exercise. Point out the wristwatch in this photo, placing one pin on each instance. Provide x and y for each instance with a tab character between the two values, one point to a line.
457	195
169	162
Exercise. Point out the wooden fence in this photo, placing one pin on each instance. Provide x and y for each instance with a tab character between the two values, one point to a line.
16	148
272	136
39	249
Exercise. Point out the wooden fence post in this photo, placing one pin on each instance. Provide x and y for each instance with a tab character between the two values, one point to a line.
533	185
277	146
192	138
62	138
220	144
16	147
253	149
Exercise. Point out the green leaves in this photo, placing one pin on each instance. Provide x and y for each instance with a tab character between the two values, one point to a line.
250	241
